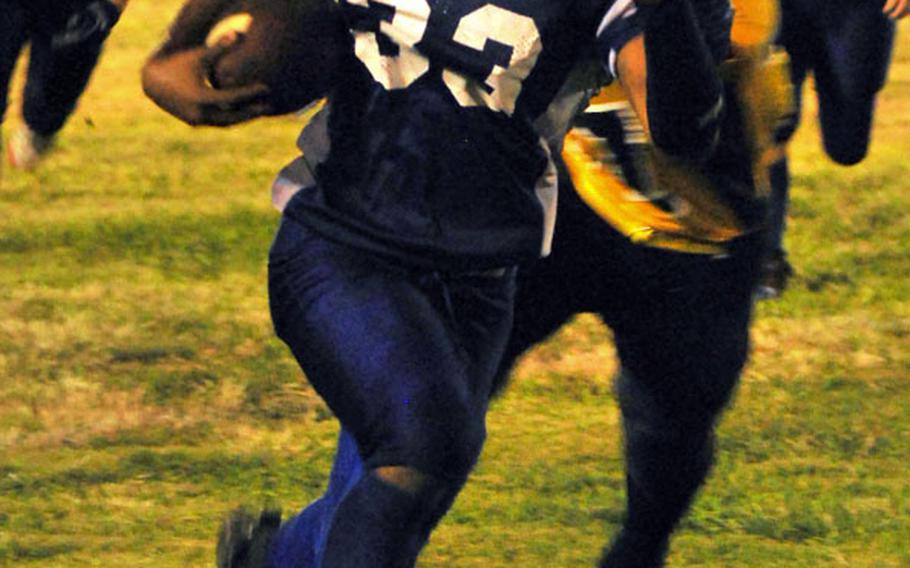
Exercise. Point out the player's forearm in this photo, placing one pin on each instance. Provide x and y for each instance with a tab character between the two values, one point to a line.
684	92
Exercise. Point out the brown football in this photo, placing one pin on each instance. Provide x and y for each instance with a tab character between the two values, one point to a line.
295	47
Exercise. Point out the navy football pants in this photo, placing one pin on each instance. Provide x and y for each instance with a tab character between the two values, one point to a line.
846	45
60	61
681	327
405	358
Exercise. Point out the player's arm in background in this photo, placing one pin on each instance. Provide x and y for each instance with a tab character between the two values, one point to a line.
896	9
176	75
657	52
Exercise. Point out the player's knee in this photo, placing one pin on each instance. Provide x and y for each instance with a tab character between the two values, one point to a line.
406	479
686	404
846	134
429	490
446	450
464	449
658	429
431	495
644	412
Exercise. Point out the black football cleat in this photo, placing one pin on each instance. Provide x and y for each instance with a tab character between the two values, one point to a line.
630	549
775	274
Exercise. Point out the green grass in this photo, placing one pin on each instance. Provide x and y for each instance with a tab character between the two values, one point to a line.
142	393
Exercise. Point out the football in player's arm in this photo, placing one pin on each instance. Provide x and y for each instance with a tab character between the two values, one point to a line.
229	61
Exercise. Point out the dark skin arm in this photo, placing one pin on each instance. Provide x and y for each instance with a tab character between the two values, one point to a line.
176	76
177	82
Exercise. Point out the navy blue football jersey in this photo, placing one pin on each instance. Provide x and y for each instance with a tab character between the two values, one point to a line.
435	152
715	19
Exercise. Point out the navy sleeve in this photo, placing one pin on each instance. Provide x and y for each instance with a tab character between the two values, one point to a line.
685	94
620	24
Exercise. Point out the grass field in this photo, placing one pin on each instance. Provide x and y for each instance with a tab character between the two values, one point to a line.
142	393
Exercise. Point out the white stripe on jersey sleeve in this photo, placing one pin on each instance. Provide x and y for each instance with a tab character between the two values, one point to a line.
620	10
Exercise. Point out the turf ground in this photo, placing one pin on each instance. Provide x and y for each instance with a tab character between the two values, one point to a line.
142	393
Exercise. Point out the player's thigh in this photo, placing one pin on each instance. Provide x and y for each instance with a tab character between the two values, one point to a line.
685	334
576	277
539	311
543	303
373	343
480	312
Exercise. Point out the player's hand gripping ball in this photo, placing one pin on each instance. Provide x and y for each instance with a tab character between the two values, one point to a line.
294	47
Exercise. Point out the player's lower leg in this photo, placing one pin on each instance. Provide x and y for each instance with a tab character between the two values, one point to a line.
386	518
775	268
668	453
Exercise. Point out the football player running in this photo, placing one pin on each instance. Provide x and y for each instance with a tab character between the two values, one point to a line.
65	39
846	46
662	239
425	181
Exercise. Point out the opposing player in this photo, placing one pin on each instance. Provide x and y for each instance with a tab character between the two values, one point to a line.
680	307
666	252
65	39
846	46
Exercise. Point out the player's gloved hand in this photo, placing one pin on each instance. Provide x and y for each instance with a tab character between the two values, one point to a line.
177	81
896	9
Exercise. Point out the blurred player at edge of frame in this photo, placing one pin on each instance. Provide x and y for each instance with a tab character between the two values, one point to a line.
846	45
65	39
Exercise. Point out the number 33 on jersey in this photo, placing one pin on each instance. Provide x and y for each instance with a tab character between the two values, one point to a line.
434	134
484	50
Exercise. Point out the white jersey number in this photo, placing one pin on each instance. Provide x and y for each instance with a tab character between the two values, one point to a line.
488	25
406	27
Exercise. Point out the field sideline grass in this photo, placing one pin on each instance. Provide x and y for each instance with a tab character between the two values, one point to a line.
142	393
